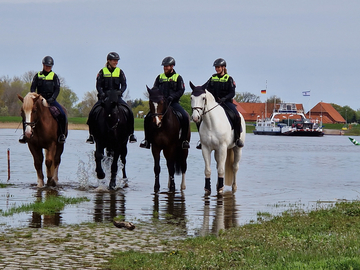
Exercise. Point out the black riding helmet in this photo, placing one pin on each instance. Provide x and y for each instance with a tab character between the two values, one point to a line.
48	61
219	62
168	61
113	56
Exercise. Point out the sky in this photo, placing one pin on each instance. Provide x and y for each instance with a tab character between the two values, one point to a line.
283	46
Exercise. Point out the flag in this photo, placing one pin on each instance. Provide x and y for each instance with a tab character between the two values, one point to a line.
263	91
306	93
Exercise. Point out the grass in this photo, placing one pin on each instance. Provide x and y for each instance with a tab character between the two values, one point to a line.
326	238
50	206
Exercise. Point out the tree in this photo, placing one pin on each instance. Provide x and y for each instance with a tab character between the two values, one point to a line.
247	97
274	100
84	107
185	102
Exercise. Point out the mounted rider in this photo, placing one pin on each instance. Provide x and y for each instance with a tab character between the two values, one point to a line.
111	78
222	86
47	84
172	86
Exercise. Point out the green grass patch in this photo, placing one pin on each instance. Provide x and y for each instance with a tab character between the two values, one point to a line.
326	238
50	206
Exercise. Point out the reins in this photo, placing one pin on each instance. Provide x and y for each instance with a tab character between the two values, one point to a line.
203	109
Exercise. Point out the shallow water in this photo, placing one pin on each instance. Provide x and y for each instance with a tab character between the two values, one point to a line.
275	173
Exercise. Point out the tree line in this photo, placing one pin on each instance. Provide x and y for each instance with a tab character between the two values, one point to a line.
11	87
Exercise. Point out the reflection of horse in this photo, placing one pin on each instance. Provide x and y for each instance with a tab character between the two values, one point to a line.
41	133
108	205
225	215
216	134
164	134
111	132
37	221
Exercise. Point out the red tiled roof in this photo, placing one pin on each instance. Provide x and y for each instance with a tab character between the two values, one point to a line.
328	113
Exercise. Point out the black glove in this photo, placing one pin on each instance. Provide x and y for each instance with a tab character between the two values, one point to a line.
222	100
50	100
101	96
170	99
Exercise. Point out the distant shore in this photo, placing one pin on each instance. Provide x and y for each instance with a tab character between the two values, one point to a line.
11	125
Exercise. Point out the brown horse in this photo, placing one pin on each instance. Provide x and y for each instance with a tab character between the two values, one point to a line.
163	129
41	132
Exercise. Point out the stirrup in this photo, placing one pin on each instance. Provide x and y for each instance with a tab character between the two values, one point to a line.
145	144
90	140
239	143
62	138
198	146
22	139
132	138
185	145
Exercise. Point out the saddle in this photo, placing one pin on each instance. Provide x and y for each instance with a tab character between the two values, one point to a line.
55	112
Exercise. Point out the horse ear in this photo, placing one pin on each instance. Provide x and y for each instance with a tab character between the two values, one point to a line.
148	89
191	85
36	98
21	98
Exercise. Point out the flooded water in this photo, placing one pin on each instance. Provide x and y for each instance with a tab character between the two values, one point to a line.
275	173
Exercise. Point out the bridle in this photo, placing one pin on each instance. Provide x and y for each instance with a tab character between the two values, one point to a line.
198	109
161	114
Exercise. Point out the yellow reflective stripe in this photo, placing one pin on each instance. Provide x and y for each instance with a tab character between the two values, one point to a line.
115	73
225	78
49	77
166	79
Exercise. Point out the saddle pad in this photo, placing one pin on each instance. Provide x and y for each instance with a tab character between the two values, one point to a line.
55	112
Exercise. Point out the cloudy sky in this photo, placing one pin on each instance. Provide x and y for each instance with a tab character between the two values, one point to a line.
294	46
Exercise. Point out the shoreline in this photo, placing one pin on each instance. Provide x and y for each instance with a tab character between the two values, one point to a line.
12	125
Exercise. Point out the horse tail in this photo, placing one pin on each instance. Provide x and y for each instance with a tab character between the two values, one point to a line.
229	172
178	160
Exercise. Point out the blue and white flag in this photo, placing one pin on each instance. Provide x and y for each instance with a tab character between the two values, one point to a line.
306	93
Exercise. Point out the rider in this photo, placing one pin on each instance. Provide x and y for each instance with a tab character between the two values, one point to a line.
47	84
111	77
172	87
222	87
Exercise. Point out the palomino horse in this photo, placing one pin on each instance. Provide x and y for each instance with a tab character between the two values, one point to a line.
164	134
41	132
111	132
216	134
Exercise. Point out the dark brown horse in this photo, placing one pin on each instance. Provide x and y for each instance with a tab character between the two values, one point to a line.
41	132
164	134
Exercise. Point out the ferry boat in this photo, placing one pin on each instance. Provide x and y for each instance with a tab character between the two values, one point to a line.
288	121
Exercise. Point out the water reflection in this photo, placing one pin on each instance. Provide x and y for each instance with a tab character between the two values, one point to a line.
108	205
174	209
225	213
39	221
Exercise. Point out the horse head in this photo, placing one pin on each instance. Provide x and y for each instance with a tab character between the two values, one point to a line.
110	105
157	104
30	111
198	102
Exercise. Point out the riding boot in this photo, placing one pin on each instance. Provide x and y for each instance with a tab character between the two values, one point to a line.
237	131
184	132
145	143
22	138
89	122
62	126
132	138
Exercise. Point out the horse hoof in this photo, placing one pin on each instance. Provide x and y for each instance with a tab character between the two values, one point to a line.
207	192
100	175
220	191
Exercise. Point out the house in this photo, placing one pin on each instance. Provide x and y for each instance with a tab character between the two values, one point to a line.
322	111
327	112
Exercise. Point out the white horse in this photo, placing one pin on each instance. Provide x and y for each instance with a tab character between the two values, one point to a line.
216	134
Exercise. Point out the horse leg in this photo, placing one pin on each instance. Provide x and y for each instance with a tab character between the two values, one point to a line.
123	160
114	169
183	168
156	155
220	157
57	160
50	165
237	157
99	154
170	163
207	158
38	160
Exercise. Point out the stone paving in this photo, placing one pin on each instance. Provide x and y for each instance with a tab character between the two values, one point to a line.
87	246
